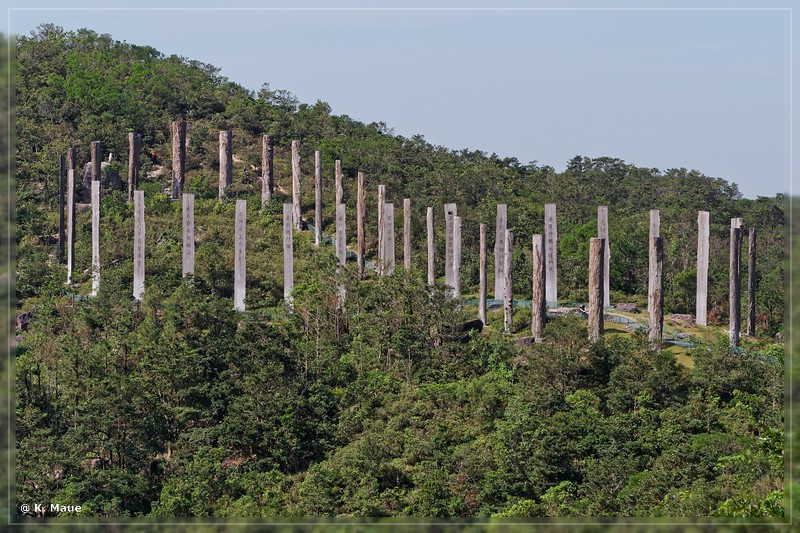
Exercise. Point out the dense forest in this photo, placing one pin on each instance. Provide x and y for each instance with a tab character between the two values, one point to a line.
179	406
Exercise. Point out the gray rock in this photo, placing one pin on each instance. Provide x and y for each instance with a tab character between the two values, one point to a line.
630	308
684	320
525	341
109	179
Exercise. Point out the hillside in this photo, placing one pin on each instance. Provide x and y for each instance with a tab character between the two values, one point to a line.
181	407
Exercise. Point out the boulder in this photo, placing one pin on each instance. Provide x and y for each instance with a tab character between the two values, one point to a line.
525	341
630	308
109	179
684	320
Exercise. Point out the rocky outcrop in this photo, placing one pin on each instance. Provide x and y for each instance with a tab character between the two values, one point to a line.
109	179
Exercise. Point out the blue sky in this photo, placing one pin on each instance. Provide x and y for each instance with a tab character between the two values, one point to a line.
681	88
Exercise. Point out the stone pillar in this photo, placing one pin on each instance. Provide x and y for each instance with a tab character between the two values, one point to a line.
179	157
62	185
734	288
134	145
482	276
360	225
70	238
501	225
288	253
318	196
550	254
538	302
450	211
595	311
225	161
71	158
267	171
95	237
406	233
240	256
338	182
456	257
655	231
188	235
94	174
431	269
751	283
602	233
508	293
138	245
341	235
381	236
388	239
656	291
297	207
703	234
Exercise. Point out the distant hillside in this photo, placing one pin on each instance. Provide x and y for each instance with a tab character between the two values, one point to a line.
179	406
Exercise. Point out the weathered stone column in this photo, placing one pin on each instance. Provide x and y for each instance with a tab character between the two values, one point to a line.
450	211
406	233
179	157
95	237
240	256
288	253
431	264
388	239
737	222
508	293
138	245
501	225
225	161
735	286
134	145
456	257
655	231
703	234
94	175
360	225
550	254
318	196
602	233
70	223
188	235
595	311
482	276
656	291
751	283
62	185
71	158
267	169
381	235
338	182
297	206
538	302
341	235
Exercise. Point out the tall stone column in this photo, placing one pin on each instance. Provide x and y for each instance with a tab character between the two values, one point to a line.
595	311
655	231
288	254
338	182
62	185
267	169
134	146
602	233
456	257
751	284
501	225
450	211
431	264
318	196
550	254
341	236
538	302
735	286
406	233
188	235
508	294
179	157
95	237
482	276
297	207
388	239
656	291
70	224
138	245
360	225
703	234
381	236
240	256
225	161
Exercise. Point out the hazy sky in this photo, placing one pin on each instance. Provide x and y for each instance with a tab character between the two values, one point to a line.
703	89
